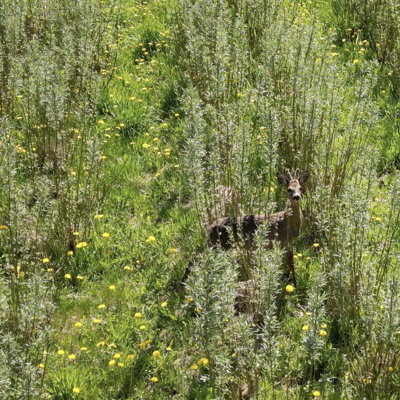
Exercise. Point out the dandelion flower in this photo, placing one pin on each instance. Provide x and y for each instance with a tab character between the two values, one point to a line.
322	332
99	216
117	355
194	367
97	321
70	253
316	393
76	390
101	122
105	235
142	327
316	245
111	363
126	268
356	61
150	239
289	289
142	345
60	352
79	277
78	324
154	379
50	270
138	315
130	357
84	348
67	276
324	326
76	233
305	328
100	344
189	299
111	287
71	357
45	260
81	245
156	354
101	306
120	364
390	369
164	304
3	227
41	366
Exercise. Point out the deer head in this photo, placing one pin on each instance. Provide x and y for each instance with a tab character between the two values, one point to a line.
293	183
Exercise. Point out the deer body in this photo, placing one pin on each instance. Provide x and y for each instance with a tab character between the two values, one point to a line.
283	226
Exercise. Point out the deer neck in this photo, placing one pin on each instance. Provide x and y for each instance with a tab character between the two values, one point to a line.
293	216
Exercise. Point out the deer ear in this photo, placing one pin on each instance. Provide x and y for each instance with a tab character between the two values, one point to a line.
282	179
304	177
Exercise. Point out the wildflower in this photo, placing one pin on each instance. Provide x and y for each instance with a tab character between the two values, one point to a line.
130	357
189	299
202	361
60	352
111	287
390	369
168	348
76	390
84	348
145	145
194	367
316	245
71	357
308	258
126	268
154	379
70	253
79	277
322	332
356	61
316	393
142	345
142	327
305	328
45	260
150	239
105	235
156	354
324	326
138	315
78	324
81	245
3	227
289	289
97	321
101	122
234	355
112	346
99	216
76	233
111	363
101	306
41	366
117	355
100	344
167	152
67	276
121	125
73	173
120	364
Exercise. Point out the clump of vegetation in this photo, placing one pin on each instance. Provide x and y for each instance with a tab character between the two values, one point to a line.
123	126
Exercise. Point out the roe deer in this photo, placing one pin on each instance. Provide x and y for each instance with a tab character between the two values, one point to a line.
283	226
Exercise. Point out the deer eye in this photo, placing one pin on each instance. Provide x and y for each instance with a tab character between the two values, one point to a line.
290	190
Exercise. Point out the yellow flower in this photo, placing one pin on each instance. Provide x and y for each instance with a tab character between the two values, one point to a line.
84	348
100	344
164	304
130	357
45	260
105	235
305	328
111	363
81	245
322	332
142	327
156	354
316	393
142	345
70	253
390	369
176	115
76	390
60	352
316	245
67	276
3	227
117	355
120	364
126	268
168	348
154	379
145	146
150	239
138	315
189	299
79	277
97	321
111	287
324	326
99	216
41	366
78	324
101	122
72	357
289	289
202	361
356	61
76	233
101	306
194	367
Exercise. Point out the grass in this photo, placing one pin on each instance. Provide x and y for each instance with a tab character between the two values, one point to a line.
119	122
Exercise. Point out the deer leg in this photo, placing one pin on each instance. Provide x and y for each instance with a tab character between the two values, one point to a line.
290	262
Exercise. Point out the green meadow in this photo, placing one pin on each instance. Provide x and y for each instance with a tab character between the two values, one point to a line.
121	122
